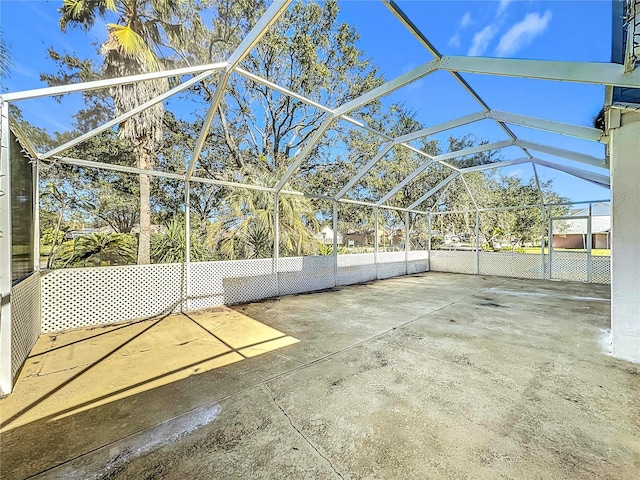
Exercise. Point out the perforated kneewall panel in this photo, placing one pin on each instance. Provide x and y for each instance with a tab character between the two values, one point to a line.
228	282
80	297
356	268
509	264
453	261
418	261
25	320
305	274
391	264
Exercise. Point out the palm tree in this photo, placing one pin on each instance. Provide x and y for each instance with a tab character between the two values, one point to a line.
246	230
142	29
98	249
170	246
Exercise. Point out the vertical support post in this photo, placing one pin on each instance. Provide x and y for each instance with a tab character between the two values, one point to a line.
542	230
335	242
477	242
276	240
550	244
429	244
588	246
376	239
406	242
6	379
187	246
36	216
624	148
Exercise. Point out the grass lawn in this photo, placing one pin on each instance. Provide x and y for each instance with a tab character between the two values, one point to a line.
596	252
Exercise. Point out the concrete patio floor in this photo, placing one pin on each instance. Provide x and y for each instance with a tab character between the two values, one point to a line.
426	376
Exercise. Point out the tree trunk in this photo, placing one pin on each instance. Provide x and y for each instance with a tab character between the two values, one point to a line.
144	238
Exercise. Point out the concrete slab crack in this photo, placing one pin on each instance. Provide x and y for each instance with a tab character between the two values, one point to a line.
273	397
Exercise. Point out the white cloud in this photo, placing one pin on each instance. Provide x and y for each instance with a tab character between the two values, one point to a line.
481	40
466	20
455	40
523	33
503	6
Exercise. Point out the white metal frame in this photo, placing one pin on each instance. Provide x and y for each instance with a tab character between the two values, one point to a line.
607	74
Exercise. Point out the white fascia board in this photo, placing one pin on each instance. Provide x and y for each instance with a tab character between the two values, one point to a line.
123	117
598	179
110	82
435	189
581	72
561	152
577	131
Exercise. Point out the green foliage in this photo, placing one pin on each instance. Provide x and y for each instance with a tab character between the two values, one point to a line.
246	229
170	246
96	250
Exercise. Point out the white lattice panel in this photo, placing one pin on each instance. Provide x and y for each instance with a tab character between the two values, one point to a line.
80	297
601	269
453	261
391	264
518	265
570	266
25	320
356	268
305	274
229	282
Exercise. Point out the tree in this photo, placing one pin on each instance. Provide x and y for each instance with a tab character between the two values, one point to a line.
97	249
134	45
171	245
246	228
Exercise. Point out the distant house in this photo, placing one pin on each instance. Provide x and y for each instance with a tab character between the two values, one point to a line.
572	233
325	236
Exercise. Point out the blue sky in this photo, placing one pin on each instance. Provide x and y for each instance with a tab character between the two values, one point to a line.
549	30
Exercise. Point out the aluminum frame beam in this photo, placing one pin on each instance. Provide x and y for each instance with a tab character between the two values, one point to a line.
439	159
596	178
363	171
415	31
561	152
491	166
364	99
595	73
253	37
435	189
567	129
109	82
125	116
